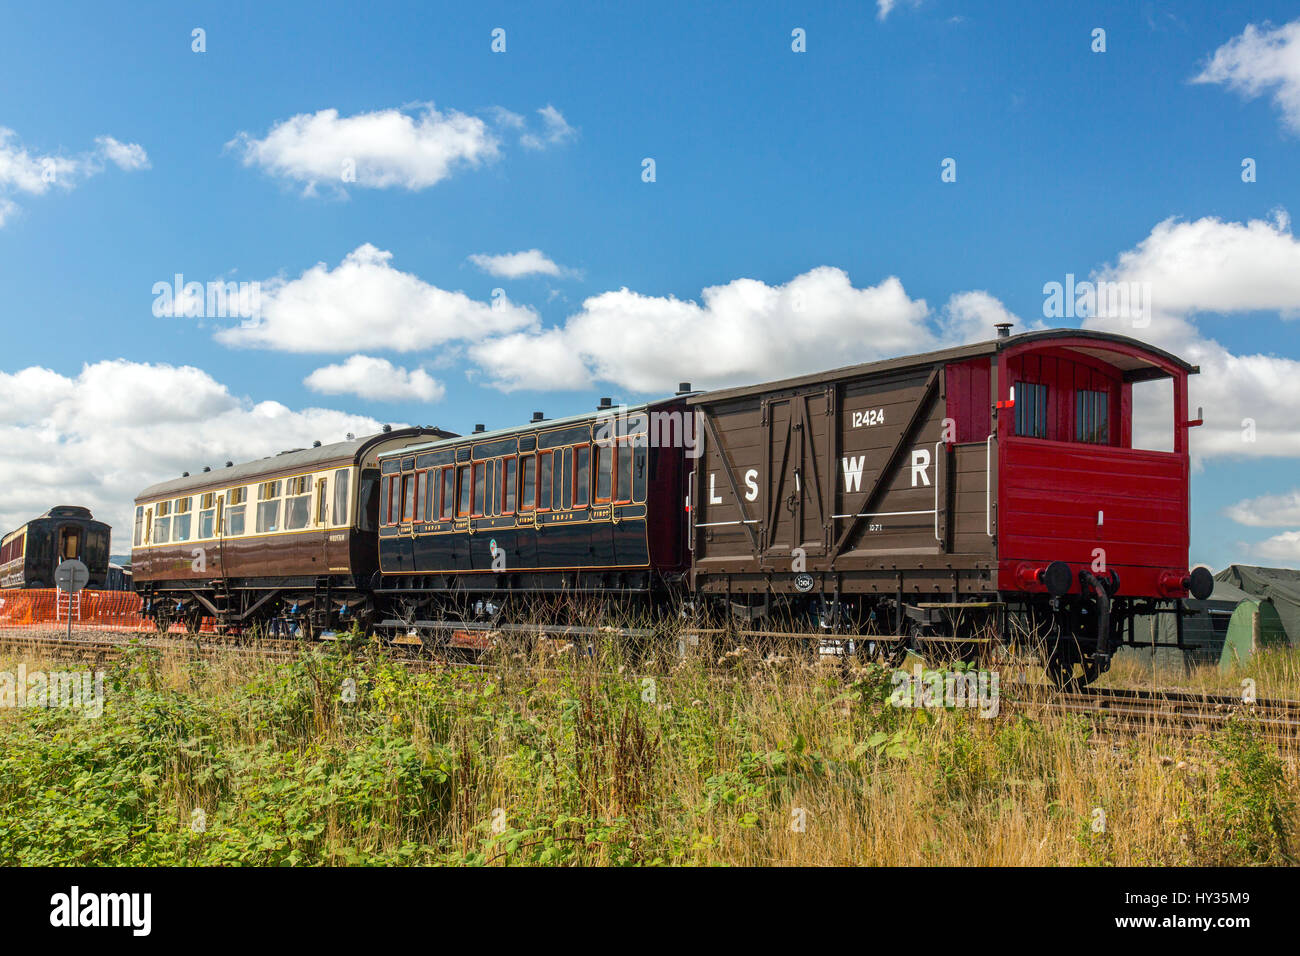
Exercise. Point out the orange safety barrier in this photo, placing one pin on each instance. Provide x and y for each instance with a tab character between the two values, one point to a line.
107	608
102	610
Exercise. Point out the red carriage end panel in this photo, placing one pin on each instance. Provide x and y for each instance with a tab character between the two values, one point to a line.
1070	486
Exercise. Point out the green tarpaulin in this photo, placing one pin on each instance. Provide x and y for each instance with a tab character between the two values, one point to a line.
1279	586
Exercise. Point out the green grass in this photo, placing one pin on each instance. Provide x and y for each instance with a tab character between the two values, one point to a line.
556	759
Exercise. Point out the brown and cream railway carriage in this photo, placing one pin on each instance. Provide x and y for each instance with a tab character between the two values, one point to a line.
289	539
587	504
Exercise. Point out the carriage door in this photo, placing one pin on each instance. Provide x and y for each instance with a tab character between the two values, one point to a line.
321	524
69	543
798	435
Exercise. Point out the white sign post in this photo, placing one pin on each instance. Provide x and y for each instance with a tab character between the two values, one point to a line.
70	577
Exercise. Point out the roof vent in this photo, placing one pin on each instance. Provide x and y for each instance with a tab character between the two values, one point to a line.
479	429
1004	329
315	444
683	388
230	464
351	437
538	417
387	429
207	468
185	474
605	402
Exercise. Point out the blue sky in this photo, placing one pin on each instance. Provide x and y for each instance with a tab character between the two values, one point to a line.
770	165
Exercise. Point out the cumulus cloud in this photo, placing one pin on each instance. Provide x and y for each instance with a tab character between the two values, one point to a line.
1261	59
1267	511
1283	547
743	331
516	265
970	317
1208	266
101	436
375	378
379	150
23	171
363	304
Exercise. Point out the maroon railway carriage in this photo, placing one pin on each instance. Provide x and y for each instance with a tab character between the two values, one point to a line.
986	492
591	504
289	540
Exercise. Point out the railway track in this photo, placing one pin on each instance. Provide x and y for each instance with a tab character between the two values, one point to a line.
1178	713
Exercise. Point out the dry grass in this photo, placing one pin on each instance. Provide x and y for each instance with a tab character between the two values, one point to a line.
556	757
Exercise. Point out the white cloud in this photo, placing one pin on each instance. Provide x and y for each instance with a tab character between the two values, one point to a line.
100	437
555	130
1261	59
516	265
375	378
744	331
885	7
1281	547
971	317
384	149
34	174
128	156
364	304
1211	266
1267	511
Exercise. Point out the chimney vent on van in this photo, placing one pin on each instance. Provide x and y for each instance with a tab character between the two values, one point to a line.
1004	329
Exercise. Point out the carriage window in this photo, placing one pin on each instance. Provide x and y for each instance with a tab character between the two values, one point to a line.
567	487
235	510
544	482
207	514
623	489
181	523
493	489
581	475
508	486
465	477
268	507
639	456
604	471
432	480
480	478
448	491
386	500
297	506
1031	410
322	501
162	526
71	545
139	527
527	484
408	497
341	491
1091	421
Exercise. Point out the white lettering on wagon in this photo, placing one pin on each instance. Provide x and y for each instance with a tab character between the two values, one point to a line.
751	485
920	464
868	417
853	472
714	497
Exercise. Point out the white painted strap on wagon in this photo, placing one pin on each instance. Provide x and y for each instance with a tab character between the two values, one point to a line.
720	524
886	514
